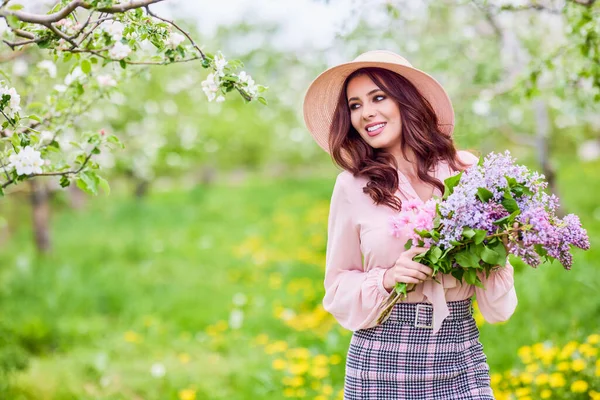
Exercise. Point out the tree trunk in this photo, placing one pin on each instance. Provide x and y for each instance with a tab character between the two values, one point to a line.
41	215
77	198
141	189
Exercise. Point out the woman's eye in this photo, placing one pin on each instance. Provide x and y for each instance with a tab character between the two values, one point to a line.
354	106
379	97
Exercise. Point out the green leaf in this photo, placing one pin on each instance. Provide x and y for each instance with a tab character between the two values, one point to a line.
86	67
470	276
450	183
490	256
484	194
123	64
64	181
103	183
408	245
465	258
262	100
1	192
34	117
509	203
16	7
458	273
512	182
468	233
499	248
88	181
480	235
434	254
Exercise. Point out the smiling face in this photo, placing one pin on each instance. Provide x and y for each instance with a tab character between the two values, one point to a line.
374	115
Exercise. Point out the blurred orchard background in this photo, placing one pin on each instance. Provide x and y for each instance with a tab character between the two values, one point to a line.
200	275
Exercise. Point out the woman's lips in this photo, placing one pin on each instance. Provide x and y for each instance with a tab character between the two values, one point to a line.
377	131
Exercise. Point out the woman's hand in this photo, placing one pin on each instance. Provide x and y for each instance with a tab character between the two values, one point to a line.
406	270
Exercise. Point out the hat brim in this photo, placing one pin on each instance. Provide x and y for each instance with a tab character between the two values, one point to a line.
322	96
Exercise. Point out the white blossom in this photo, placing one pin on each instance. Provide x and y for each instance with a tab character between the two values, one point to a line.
236	319
251	86
60	88
481	107
220	64
20	67
239	299
243	77
48	66
106	80
119	51
211	85
77	75
13	105
158	370
114	29
220	99
28	161
174	40
46	136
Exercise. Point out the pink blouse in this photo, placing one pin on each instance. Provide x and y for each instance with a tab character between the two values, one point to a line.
360	248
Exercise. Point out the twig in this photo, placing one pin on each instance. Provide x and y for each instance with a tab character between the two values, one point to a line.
72	6
179	29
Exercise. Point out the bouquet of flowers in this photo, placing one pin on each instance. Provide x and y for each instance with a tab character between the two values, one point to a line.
488	211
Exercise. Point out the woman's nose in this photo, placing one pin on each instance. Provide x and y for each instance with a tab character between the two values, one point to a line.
368	111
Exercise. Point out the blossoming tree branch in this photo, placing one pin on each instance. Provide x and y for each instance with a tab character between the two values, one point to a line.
89	37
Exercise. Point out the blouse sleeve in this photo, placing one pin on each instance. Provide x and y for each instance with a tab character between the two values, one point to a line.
497	302
352	295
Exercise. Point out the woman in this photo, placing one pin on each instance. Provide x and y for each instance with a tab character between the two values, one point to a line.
389	126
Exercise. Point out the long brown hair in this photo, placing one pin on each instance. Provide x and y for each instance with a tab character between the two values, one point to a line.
420	133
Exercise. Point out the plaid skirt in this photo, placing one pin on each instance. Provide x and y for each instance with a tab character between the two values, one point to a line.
402	359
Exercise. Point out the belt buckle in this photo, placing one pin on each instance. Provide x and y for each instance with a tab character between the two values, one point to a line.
418	309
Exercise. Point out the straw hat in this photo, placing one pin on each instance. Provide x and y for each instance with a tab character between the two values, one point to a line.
323	93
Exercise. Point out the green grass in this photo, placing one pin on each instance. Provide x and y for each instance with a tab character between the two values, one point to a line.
165	269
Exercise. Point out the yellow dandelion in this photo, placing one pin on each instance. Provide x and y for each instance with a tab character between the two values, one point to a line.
261	339
320	397
557	380
327	390
298	368
132	337
184	358
546	393
532	368
221	326
335	359
496	379
594	395
522	392
579	386
563	366
568	350
578	365
588	350
289	392
315	385
593	338
301	393
524	354
541	379
298	353
187	394
526	377
319	372
320	360
279	364
296	381
276	347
